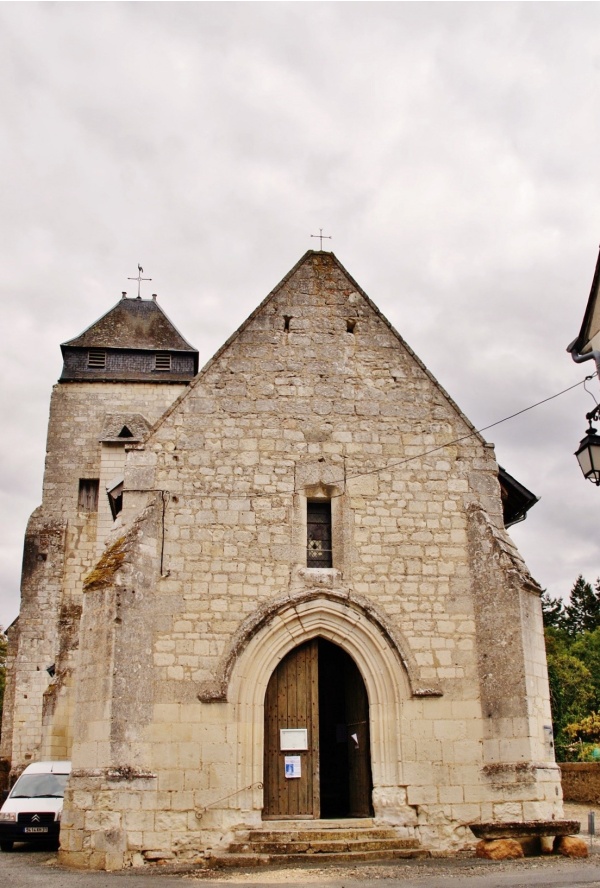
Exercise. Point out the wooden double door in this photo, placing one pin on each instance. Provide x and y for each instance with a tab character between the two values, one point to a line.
317	687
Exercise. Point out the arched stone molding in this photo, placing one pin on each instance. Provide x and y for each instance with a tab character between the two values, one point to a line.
357	607
346	624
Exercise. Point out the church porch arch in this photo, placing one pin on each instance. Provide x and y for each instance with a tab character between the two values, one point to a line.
385	678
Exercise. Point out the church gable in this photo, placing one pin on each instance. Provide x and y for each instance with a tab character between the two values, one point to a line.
317	405
316	401
318	350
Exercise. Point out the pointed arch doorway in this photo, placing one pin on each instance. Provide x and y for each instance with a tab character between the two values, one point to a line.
317	687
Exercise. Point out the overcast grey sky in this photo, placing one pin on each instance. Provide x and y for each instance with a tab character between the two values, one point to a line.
451	150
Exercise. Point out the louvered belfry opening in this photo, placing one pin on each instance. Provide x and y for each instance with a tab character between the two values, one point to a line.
318	525
162	361
96	358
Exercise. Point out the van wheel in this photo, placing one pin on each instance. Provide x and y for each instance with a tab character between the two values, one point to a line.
6	846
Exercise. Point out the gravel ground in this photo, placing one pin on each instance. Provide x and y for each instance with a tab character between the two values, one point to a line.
27	869
446	871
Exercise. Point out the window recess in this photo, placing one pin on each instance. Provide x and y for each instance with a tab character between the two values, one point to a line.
318	536
88	495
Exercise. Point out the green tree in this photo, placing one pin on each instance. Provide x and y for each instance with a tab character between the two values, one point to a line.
586	647
588	729
582	613
585	739
553	611
572	632
572	691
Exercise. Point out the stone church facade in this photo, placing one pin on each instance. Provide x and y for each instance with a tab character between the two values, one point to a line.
280	588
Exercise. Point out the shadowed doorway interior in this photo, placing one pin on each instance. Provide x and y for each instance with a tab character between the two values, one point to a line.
318	686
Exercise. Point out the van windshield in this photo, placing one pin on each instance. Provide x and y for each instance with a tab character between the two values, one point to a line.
40	786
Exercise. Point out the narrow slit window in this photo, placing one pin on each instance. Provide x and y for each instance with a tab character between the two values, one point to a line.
88	494
318	526
162	361
350	325
96	359
286	323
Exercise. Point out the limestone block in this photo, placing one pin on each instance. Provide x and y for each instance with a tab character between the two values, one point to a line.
170	780
452	794
158	855
362	486
467	751
539	810
171	820
102	820
508	811
570	846
499	849
71	840
139	821
466	813
422	795
156	839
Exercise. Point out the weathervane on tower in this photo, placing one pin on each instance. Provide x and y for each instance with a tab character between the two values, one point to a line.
139	279
322	237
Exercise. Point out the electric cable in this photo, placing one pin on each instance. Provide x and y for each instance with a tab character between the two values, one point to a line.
385	468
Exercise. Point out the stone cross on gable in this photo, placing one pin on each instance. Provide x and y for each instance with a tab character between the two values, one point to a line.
321	237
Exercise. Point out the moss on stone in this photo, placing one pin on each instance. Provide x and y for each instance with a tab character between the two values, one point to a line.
110	562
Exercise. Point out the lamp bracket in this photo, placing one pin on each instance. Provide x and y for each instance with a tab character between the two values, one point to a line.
593	415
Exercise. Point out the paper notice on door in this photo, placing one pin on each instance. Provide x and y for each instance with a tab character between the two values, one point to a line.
293	738
293	767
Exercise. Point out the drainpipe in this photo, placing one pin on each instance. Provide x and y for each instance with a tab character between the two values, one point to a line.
579	359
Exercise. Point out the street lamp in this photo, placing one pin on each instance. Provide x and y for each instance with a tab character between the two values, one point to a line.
588	453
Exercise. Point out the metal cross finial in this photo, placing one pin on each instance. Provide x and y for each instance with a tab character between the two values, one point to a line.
320	235
139	279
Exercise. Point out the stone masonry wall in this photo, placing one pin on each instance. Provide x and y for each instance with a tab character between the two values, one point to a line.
12	634
315	397
61	546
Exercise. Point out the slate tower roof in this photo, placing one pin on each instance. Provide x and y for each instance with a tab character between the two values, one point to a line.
133	342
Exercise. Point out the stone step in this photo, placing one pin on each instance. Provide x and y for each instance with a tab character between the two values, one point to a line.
247	860
330	823
322	842
320	835
331	844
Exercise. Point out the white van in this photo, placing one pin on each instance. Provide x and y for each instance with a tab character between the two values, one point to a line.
33	809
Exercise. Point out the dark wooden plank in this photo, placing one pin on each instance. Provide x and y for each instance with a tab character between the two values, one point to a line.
291	701
270	772
297	689
313	732
359	753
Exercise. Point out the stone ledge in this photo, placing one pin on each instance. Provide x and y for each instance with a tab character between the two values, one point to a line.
524	828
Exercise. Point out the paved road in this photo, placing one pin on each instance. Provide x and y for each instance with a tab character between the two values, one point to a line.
38	869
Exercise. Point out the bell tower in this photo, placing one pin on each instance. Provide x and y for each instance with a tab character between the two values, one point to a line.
118	377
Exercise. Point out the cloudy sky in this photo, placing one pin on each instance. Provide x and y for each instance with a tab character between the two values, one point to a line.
451	150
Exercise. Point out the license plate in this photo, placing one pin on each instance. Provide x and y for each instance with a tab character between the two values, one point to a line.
35	829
